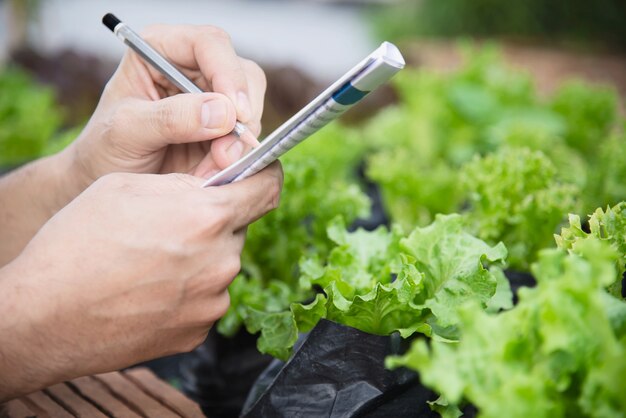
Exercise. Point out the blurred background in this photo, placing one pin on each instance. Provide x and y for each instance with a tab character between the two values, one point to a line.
302	45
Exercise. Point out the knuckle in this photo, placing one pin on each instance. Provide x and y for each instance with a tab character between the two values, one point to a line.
216	33
115	123
218	217
275	187
221	305
255	72
113	181
194	341
182	181
255	127
150	32
232	268
176	252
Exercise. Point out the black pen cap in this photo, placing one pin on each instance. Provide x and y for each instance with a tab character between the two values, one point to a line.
110	21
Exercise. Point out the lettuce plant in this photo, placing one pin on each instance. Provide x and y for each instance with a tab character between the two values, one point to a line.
444	121
606	225
383	282
558	353
515	197
319	185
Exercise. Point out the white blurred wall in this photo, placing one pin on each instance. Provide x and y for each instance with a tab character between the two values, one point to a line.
323	39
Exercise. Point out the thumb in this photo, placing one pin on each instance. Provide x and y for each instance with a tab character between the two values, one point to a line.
178	119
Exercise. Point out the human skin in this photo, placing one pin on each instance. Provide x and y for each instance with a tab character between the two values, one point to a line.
102	271
142	125
134	268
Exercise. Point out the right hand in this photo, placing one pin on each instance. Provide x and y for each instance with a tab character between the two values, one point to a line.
135	268
142	124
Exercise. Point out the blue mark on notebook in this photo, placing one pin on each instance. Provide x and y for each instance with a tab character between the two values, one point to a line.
348	94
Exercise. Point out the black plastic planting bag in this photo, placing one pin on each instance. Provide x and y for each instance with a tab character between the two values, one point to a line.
219	374
338	371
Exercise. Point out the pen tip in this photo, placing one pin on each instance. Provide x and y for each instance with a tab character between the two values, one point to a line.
110	21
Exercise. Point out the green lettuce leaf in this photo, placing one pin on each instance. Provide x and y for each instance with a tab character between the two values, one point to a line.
555	354
516	198
379	282
452	263
607	225
319	185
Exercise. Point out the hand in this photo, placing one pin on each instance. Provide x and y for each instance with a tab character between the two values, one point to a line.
134	268
143	125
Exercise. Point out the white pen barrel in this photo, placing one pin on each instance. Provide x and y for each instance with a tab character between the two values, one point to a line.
141	47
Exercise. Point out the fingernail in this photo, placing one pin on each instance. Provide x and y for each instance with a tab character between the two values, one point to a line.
243	106
235	151
214	113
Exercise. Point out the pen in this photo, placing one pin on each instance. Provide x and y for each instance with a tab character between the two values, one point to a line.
173	74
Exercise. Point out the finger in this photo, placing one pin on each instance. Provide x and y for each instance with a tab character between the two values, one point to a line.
225	151
210	50
251	198
257	85
183	118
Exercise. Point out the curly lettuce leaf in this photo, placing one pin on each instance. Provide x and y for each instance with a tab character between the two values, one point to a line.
318	186
555	354
381	283
607	225
516	197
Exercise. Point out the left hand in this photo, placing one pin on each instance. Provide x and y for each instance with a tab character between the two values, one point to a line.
143	125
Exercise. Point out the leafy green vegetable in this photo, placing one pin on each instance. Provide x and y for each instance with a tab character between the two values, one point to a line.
452	263
589	112
515	197
440	123
607	186
29	117
418	147
556	354
414	192
319	185
381	283
607	225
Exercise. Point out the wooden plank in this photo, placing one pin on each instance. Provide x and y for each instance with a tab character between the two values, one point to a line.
164	393
91	389
124	389
72	402
17	409
44	406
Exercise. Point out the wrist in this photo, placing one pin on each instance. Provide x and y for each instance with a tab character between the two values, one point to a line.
69	176
23	367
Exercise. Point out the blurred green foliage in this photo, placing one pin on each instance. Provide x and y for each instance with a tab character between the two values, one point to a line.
421	151
575	20
29	118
